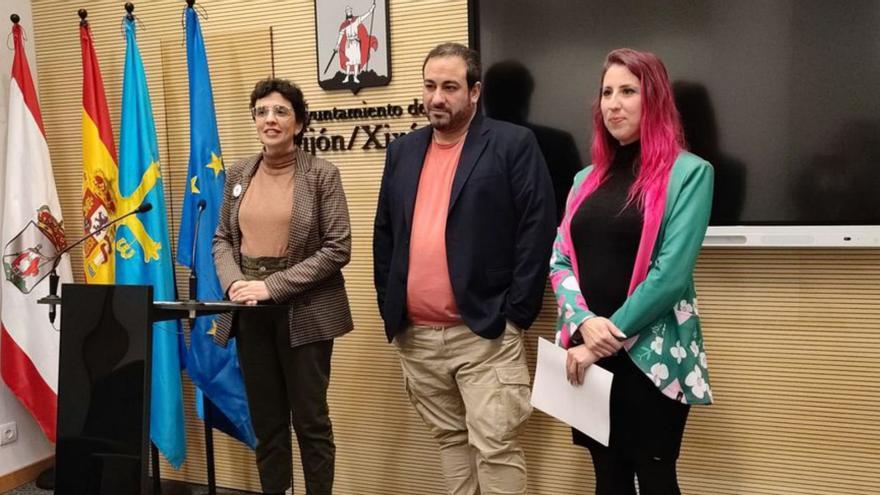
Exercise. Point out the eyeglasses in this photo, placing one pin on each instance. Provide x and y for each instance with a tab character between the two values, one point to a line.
280	111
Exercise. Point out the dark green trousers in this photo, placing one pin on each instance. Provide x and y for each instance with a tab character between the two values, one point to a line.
285	386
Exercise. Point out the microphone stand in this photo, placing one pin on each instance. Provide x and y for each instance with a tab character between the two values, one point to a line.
193	277
53	275
206	401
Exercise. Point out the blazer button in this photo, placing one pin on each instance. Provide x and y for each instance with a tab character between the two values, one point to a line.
262	268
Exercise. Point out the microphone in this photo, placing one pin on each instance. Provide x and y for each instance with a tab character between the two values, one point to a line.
193	277
53	291
53	275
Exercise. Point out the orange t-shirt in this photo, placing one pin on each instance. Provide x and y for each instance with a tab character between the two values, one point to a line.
429	297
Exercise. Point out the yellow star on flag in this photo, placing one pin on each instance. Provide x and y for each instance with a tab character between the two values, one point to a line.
213	329
192	185
216	164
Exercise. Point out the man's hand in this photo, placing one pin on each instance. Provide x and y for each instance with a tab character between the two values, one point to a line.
249	291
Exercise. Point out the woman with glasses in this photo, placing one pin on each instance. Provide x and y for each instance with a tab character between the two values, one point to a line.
283	237
622	270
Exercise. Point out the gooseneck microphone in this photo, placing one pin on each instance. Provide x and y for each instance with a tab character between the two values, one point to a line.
193	277
53	275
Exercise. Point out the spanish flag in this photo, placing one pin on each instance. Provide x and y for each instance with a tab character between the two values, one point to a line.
100	168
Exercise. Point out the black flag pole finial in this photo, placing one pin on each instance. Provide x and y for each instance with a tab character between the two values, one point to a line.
83	13
190	3
15	20
129	7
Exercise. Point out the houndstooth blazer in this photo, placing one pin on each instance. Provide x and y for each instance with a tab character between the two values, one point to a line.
319	245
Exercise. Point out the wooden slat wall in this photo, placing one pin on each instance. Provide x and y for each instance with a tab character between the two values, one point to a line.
794	353
792	334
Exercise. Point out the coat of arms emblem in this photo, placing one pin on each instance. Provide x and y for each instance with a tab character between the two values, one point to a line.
30	255
352	44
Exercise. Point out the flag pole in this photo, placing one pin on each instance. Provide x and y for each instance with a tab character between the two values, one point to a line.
207	405
154	451
46	479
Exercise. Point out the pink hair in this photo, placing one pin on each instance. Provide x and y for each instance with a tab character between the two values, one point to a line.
660	134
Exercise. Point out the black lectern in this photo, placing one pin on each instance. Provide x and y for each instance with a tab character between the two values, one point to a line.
104	385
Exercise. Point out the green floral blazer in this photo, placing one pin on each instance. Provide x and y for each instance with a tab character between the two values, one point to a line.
660	315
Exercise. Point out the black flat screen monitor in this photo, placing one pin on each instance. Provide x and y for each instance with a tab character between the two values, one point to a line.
782	97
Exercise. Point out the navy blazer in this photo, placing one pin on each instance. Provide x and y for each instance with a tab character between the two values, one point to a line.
500	227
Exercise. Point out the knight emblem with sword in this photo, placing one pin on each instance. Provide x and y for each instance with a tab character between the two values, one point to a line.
355	42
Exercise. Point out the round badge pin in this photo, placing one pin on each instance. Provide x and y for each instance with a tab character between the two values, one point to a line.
236	191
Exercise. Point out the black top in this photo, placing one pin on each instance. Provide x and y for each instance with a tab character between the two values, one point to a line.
605	232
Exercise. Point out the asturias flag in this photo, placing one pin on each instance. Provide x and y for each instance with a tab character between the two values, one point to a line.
32	234
143	251
213	369
99	168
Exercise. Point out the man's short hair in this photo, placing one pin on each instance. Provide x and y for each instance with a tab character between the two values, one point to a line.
471	59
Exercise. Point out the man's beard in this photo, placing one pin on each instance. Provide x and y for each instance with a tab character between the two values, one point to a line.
450	120
348	17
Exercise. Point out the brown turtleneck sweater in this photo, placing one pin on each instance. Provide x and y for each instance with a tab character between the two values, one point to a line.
264	216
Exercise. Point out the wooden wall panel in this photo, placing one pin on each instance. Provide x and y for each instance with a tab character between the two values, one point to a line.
793	351
792	335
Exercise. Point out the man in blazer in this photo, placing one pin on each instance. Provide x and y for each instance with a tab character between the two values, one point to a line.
463	234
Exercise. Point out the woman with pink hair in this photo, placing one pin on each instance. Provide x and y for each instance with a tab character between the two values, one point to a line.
622	271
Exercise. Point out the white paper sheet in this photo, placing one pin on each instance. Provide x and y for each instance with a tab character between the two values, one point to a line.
586	407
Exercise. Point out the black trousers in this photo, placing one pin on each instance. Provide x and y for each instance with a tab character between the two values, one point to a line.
615	475
646	432
287	385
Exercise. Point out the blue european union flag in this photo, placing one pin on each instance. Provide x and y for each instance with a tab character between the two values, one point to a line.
213	369
143	250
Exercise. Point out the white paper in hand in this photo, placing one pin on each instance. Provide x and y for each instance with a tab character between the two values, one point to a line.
586	407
